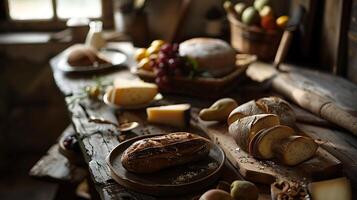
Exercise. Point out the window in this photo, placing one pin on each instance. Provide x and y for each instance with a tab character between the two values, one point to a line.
44	9
52	14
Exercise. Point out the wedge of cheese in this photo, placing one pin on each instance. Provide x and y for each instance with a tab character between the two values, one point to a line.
173	115
127	92
333	189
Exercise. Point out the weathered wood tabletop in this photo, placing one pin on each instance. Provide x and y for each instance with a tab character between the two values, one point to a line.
97	140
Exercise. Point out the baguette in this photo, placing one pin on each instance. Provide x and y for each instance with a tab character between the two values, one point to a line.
244	110
156	153
278	106
261	144
245	128
295	149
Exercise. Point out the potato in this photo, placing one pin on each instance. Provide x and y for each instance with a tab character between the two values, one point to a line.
218	111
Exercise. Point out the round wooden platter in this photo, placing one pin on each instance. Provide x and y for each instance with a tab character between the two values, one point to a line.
176	180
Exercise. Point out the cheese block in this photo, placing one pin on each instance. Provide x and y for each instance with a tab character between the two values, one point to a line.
244	129
333	189
127	92
294	150
246	109
261	144
174	115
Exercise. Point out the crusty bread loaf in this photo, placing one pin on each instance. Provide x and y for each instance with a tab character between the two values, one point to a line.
244	129
81	55
294	150
156	153
334	189
261	146
280	107
246	109
213	55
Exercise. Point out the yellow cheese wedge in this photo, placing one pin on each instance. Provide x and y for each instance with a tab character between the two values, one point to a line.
126	92
333	189
174	115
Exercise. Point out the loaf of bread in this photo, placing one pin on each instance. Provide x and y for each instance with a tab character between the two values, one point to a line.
261	146
244	129
81	56
294	150
213	55
334	189
246	109
156	153
280	107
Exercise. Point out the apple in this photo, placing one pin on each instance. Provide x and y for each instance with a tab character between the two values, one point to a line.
266	11
259	4
239	8
250	16
268	22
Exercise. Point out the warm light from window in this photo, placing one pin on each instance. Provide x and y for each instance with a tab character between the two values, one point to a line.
30	9
79	8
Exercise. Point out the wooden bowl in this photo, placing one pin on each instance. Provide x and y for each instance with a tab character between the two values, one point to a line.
175	180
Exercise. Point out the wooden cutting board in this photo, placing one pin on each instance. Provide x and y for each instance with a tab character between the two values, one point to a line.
323	165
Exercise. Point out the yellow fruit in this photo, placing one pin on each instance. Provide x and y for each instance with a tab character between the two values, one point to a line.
152	50
282	21
145	64
158	43
140	54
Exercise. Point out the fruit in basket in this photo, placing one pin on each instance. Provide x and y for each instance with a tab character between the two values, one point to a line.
259	4
268	22
282	21
157	43
153	50
266	11
140	54
239	8
250	16
146	64
244	190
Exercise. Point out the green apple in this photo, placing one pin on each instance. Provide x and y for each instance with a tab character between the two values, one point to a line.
239	8
266	11
244	190
259	4
250	16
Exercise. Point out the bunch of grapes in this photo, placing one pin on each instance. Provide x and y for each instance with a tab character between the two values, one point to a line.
169	63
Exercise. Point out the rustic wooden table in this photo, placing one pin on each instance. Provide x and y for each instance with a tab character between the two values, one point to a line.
97	140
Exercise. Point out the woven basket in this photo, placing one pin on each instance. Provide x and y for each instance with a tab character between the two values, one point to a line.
254	40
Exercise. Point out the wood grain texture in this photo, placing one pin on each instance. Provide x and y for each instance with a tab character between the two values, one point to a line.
266	172
56	168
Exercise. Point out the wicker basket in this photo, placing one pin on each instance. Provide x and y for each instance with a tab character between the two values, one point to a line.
254	40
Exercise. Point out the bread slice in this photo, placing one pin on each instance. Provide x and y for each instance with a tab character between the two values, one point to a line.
333	189
295	149
278	106
245	128
246	109
261	147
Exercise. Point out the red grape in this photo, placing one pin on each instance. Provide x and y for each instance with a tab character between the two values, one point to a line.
166	49
173	63
162	81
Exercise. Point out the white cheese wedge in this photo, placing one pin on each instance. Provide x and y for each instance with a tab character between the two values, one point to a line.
126	92
174	115
334	189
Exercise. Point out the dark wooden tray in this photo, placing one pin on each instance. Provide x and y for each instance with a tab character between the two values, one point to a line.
169	181
205	87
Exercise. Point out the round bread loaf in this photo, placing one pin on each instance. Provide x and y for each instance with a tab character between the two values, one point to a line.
81	55
213	55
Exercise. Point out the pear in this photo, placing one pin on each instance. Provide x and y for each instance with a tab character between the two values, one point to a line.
244	190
